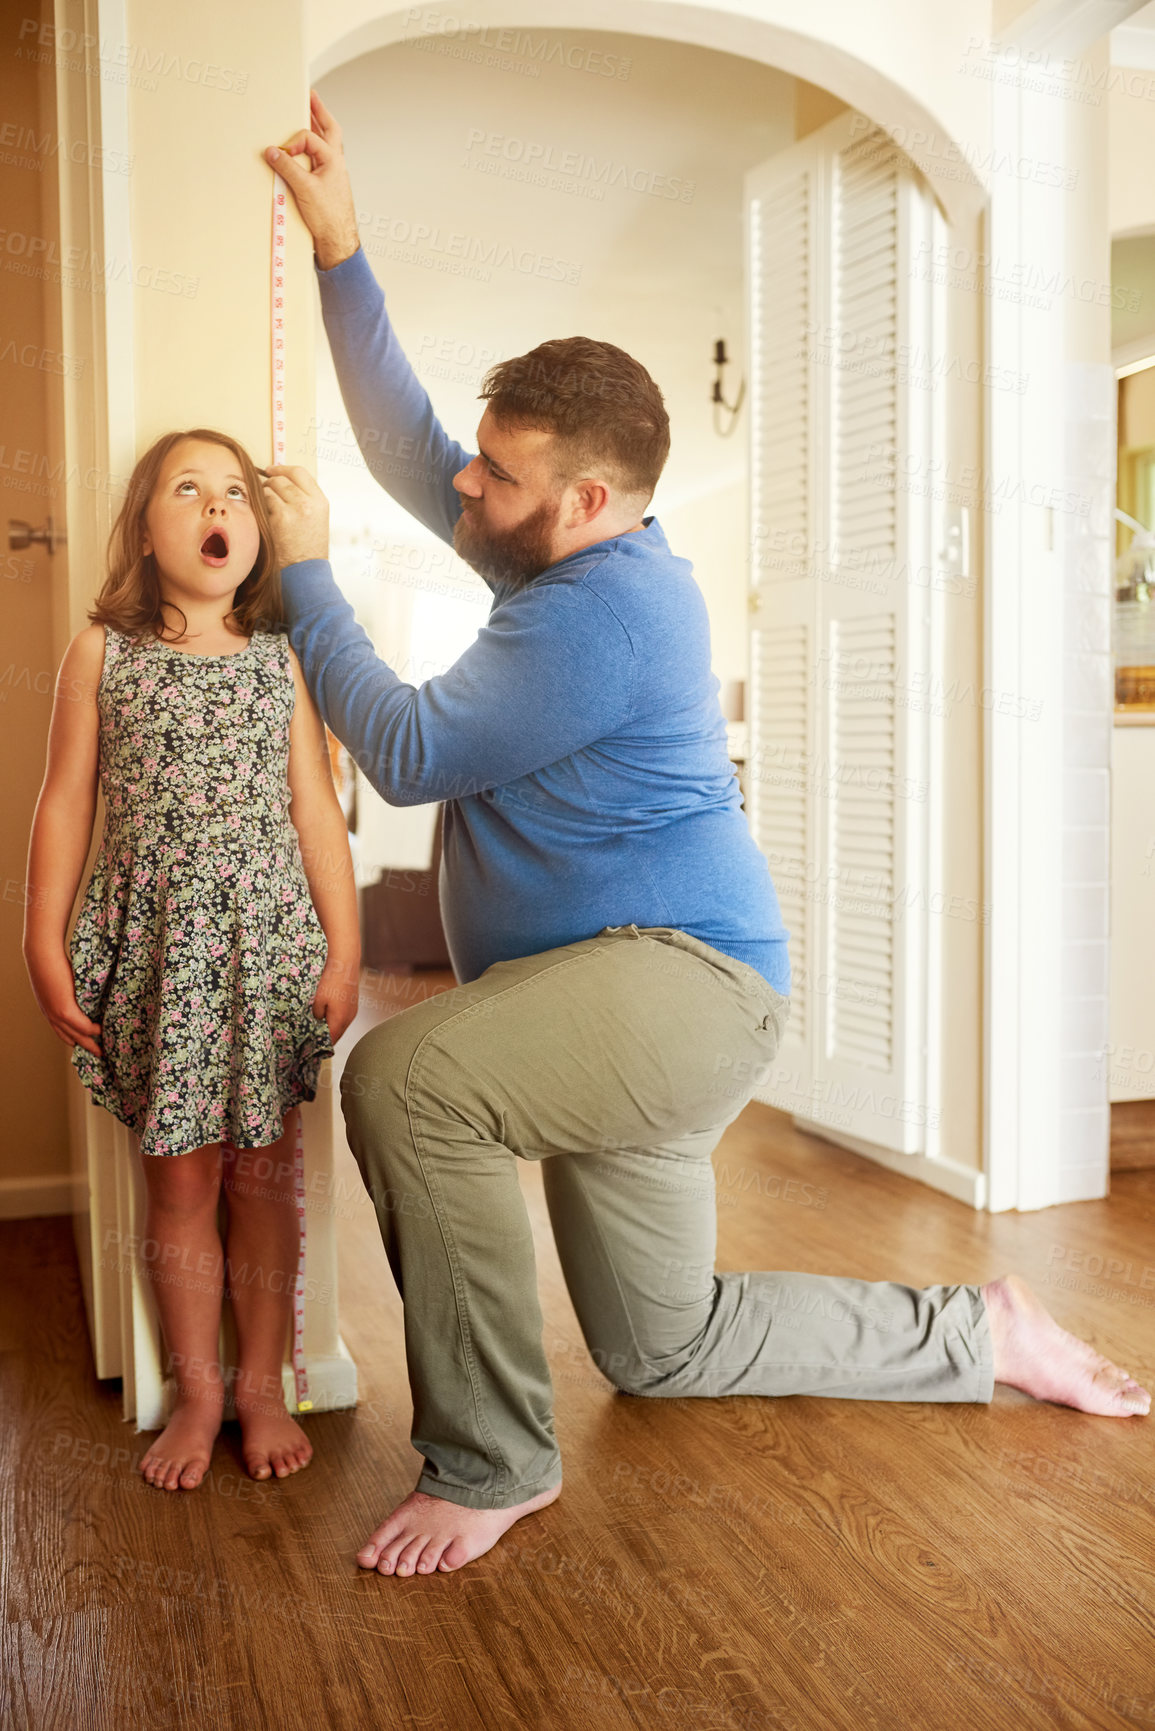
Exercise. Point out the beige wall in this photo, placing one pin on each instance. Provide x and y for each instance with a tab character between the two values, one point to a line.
201	209
1137	409
1131	200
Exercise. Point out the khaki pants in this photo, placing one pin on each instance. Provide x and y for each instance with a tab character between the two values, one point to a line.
613	1060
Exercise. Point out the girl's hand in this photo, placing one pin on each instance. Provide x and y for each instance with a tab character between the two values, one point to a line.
337	995
54	988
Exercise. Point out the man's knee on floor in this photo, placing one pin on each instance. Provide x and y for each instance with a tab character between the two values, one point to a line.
629	1373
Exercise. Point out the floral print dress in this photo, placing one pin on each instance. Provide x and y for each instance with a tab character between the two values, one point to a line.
197	946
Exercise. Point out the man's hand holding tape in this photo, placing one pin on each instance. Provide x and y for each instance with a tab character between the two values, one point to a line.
320	185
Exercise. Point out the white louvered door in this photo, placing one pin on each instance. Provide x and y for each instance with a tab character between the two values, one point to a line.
841	339
780	266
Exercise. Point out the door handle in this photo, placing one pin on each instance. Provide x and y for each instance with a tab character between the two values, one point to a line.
22	535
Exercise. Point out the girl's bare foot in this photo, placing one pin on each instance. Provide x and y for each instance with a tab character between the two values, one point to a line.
425	1533
272	1442
1033	1353
179	1458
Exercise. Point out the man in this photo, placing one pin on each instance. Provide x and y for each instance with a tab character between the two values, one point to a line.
616	930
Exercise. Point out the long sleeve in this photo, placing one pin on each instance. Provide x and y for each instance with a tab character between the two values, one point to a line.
404	444
552	672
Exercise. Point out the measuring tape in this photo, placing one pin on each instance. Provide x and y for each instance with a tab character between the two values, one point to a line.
280	211
280	214
300	1375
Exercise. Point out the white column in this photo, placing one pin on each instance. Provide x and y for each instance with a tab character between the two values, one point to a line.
1049	485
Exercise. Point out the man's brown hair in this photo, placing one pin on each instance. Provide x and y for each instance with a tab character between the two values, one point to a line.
605	409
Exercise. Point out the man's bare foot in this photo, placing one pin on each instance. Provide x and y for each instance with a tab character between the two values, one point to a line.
272	1442
179	1458
425	1533
1033	1353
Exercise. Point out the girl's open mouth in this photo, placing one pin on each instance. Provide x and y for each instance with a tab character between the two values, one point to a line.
215	548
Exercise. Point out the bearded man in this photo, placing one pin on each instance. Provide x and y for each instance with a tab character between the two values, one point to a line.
622	959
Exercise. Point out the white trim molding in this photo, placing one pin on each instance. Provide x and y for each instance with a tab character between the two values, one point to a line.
964	1183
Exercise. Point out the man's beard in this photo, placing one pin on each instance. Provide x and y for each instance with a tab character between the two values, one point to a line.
516	555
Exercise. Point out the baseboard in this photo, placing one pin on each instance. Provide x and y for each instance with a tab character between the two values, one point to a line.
1132	1135
32	1198
961	1182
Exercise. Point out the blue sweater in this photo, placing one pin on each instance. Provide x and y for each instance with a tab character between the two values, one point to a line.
578	743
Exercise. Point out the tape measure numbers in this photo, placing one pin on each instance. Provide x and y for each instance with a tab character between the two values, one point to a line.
280	212
300	1375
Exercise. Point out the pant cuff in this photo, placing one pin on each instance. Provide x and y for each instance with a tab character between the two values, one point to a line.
474	1497
983	1346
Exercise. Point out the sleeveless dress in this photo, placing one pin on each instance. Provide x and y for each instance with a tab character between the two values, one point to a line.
197	946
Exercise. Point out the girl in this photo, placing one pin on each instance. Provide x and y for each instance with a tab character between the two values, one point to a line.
215	958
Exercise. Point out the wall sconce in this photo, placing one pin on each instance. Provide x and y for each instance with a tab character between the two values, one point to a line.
721	359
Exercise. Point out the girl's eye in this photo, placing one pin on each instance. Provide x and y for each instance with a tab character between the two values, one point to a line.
234	487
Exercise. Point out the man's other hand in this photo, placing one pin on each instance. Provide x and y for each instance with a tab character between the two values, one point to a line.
299	513
320	186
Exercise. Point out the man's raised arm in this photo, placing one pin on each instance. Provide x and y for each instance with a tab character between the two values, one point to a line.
404	444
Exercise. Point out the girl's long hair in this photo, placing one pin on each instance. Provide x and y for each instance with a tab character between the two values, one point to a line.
130	597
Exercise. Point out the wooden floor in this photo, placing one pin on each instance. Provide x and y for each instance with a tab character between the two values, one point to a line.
711	1564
